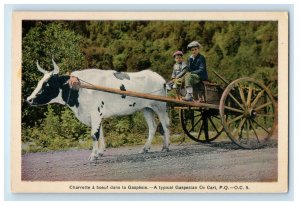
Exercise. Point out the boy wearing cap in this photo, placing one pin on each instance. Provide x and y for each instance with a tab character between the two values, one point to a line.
196	70
179	69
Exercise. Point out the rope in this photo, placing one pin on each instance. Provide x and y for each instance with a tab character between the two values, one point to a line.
80	80
68	96
155	91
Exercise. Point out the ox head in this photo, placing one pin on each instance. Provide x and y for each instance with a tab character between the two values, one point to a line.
47	88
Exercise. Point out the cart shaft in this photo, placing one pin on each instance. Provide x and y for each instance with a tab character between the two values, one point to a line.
149	96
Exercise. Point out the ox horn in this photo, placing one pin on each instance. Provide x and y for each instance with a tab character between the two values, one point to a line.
56	68
40	69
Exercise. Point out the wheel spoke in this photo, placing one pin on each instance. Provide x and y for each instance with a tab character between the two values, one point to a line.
249	96
213	124
265	115
233	109
199	133
217	117
247	131
234	119
236	101
205	126
198	115
257	98
261	126
263	106
239	128
195	124
242	95
251	124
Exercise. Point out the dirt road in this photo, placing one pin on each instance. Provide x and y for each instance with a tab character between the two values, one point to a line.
186	162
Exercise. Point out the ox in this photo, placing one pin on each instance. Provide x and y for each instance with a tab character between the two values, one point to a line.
91	107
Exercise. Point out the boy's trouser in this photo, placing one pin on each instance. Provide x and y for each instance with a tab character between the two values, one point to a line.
190	79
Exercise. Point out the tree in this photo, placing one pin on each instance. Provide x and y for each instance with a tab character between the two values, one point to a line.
42	43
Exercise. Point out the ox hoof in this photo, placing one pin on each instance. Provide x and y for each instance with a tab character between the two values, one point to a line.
165	149
93	158
144	150
100	155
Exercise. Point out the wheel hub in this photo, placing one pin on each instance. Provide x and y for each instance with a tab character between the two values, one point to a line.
250	113
253	113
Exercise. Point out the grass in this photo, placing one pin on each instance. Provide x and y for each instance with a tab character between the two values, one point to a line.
116	141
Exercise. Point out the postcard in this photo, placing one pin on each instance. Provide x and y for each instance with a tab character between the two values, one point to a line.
149	102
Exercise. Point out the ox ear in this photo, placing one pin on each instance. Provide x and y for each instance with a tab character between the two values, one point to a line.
40	69
56	68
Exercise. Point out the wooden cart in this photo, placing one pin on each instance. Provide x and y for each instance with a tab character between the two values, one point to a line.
245	109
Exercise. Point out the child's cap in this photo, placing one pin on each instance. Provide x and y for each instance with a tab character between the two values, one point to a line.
194	44
177	53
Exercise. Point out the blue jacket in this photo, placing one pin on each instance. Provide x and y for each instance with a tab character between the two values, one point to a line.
198	66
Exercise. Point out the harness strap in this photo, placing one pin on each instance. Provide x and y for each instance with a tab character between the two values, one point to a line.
68	96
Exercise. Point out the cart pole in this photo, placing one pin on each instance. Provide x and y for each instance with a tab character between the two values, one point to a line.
148	96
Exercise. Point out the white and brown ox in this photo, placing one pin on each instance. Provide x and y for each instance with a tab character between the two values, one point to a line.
91	107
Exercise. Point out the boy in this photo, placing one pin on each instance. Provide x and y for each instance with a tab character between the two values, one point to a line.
179	69
196	70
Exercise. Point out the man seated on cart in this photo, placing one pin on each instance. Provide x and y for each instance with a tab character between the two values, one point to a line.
196	70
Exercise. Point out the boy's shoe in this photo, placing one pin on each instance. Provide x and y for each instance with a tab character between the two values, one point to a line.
188	97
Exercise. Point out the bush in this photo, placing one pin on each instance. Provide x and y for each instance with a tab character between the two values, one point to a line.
66	132
44	42
56	132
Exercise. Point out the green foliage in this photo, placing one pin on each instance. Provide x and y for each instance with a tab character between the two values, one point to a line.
42	43
233	48
56	132
125	130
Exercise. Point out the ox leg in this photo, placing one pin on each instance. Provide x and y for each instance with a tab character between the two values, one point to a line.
162	114
149	116
102	142
95	133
